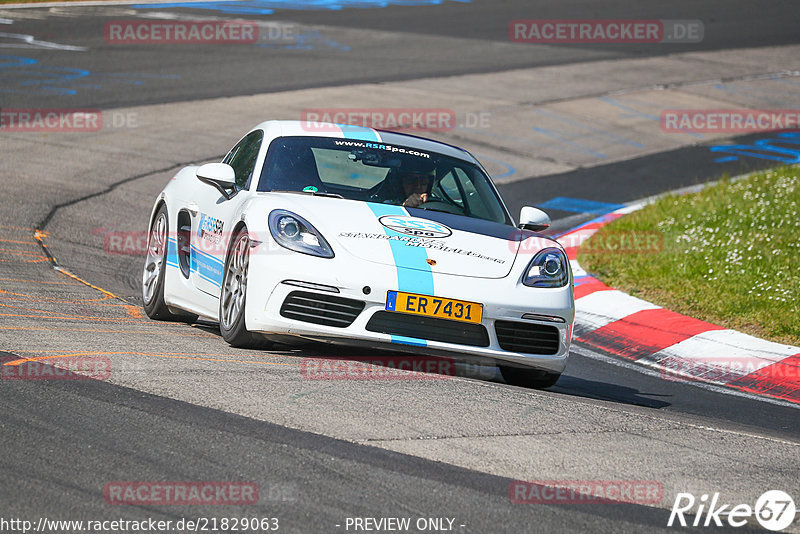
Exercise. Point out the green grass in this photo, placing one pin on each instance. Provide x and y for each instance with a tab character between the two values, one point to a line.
730	256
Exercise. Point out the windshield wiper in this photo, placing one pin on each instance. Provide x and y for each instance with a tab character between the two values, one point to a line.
312	193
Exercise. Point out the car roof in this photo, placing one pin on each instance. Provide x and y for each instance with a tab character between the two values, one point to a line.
285	128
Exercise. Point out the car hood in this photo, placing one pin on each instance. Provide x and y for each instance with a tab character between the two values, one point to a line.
411	238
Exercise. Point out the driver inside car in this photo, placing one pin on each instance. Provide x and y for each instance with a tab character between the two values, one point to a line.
409	187
416	187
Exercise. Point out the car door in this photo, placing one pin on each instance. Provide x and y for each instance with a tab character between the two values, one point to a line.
213	220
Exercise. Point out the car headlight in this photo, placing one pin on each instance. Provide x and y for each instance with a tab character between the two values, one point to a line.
295	233
549	268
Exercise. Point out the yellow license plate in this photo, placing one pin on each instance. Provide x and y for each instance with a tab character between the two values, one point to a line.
456	310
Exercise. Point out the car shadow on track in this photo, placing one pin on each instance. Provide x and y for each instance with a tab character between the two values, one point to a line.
594	389
329	361
324	361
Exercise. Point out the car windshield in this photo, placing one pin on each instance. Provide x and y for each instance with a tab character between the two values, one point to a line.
377	172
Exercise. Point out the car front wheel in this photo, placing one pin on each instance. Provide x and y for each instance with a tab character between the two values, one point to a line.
233	295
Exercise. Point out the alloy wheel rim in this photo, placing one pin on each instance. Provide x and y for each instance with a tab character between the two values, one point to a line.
156	245
235	282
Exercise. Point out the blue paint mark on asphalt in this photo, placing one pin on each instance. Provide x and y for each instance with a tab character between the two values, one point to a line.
27	76
603	133
509	169
524	140
558	144
307	41
602	219
781	79
633	112
15	61
268	7
30	76
752	91
500	136
564	138
579	147
580	205
769	149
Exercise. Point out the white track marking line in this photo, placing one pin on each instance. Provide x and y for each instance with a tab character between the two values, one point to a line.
29	41
89	4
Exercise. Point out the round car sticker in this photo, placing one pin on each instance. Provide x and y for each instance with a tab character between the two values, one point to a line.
415	226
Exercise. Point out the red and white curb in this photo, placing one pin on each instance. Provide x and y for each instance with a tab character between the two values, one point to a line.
679	347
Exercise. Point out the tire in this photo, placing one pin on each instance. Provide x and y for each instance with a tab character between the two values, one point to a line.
233	295
532	378
155	266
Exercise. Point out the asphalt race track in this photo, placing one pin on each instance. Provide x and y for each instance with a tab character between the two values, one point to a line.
557	126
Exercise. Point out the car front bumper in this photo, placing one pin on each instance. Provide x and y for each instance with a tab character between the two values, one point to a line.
273	278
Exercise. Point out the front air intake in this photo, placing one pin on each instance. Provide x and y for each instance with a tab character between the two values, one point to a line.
528	338
317	308
429	328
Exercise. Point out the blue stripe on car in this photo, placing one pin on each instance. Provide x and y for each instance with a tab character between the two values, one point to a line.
207	266
409	280
172	252
359	132
403	340
416	280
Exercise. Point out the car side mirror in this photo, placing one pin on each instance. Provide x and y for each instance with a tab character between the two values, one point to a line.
220	176
531	218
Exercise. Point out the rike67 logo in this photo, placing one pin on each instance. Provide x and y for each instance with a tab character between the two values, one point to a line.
774	510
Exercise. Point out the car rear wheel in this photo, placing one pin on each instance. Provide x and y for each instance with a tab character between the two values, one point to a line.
233	295
155	266
532	378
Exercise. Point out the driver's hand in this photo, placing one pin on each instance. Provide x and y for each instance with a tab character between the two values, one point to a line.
415	200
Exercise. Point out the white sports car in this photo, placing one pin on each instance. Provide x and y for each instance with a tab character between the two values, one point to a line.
351	235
